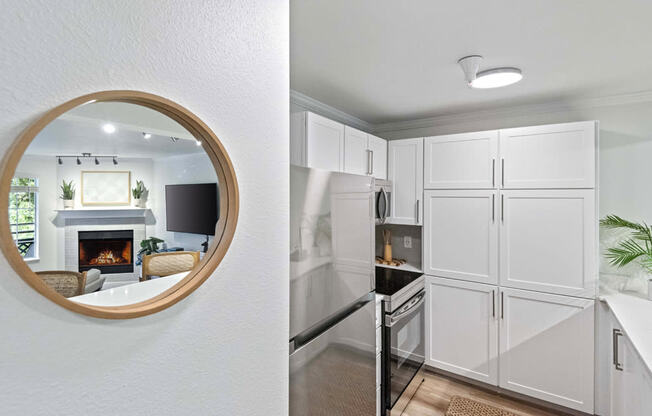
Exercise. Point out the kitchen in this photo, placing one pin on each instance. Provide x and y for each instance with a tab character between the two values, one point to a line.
485	237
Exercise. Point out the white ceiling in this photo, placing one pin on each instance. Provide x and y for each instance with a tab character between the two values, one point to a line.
388	60
80	130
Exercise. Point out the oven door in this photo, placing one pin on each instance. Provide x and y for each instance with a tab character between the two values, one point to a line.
404	346
383	198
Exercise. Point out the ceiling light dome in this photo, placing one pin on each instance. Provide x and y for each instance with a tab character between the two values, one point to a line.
498	77
490	78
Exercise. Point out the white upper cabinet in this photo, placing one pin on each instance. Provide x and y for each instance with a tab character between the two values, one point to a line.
378	157
356	152
547	347
316	142
405	170
461	234
548	241
551	156
324	143
462	328
461	161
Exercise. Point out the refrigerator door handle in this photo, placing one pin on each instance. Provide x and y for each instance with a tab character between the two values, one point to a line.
316	330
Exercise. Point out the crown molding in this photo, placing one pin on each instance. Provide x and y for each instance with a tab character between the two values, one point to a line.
517	111
327	111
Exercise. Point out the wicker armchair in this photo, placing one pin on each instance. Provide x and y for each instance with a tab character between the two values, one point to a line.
165	264
65	283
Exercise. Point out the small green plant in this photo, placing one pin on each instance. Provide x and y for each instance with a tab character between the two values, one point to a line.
139	190
638	246
67	190
149	246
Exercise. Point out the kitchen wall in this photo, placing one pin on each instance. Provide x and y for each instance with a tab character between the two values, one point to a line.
223	349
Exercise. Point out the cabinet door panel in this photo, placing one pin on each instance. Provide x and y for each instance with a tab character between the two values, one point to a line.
461	161
631	386
324	143
552	156
462	328
405	169
378	148
547	241
460	235
356	156
547	347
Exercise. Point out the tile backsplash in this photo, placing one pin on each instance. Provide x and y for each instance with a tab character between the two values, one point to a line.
399	251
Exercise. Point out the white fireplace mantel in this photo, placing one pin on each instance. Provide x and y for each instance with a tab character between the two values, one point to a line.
113	212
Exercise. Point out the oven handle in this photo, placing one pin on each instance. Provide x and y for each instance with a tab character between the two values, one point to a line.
405	310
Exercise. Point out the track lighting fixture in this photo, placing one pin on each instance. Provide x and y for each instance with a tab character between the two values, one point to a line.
78	159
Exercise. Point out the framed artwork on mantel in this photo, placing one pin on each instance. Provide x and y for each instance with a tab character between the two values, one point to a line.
102	187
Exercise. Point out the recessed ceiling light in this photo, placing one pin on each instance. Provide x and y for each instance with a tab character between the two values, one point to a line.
108	128
197	142
498	77
490	78
147	135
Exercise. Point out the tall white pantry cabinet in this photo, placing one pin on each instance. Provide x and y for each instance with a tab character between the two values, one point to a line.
510	254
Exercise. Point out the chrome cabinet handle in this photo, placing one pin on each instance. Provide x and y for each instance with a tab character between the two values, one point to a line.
614	338
493	303
417	220
493	172
371	169
502	172
368	162
502	305
493	207
502	208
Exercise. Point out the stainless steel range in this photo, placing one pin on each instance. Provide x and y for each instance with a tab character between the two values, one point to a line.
403	336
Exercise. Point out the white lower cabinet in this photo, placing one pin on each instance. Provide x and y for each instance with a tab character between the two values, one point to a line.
626	385
547	347
462	328
532	343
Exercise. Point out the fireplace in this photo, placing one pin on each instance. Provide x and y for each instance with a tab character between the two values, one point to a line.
108	251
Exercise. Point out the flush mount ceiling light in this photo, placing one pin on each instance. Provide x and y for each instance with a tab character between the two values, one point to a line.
108	128
147	135
489	78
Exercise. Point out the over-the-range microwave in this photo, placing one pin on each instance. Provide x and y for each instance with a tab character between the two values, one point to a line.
383	198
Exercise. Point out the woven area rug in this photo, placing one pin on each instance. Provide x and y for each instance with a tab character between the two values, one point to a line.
462	406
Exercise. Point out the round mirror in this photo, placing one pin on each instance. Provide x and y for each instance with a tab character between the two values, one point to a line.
119	204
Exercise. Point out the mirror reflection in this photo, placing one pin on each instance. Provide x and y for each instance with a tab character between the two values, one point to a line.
113	203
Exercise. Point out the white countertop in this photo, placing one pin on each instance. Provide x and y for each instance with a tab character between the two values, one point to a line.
130	294
634	314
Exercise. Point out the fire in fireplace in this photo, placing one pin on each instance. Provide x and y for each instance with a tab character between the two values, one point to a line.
109	251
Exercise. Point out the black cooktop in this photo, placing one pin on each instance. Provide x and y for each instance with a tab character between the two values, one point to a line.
390	281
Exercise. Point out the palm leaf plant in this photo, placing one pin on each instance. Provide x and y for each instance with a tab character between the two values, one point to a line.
67	190
149	246
636	247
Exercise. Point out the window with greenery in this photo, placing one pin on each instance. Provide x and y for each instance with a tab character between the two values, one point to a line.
23	203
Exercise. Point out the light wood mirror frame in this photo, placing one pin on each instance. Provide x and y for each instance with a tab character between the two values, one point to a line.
224	230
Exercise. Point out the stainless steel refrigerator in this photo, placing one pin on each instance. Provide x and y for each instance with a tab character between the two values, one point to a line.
332	308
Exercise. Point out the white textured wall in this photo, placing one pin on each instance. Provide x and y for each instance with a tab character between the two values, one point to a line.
223	350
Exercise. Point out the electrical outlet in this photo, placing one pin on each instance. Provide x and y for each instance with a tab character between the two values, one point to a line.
407	241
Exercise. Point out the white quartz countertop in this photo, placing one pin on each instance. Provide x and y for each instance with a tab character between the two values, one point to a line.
130	294
634	314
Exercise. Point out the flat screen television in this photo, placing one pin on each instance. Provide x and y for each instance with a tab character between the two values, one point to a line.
192	208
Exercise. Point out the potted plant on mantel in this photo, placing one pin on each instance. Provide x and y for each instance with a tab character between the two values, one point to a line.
139	194
68	194
637	246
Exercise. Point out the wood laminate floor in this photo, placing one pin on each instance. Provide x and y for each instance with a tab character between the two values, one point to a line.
435	393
